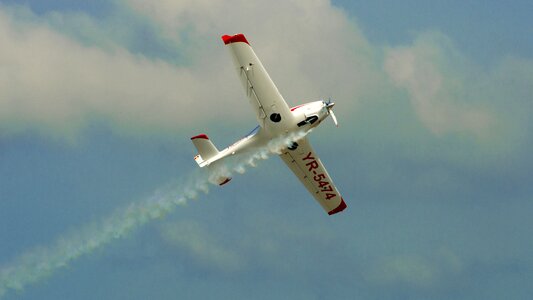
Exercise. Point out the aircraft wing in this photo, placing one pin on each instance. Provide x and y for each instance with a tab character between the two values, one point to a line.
262	94
305	164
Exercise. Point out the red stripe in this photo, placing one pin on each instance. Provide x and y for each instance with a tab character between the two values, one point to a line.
339	208
296	107
234	39
200	136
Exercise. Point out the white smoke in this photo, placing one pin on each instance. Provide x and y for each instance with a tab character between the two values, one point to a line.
250	158
42	262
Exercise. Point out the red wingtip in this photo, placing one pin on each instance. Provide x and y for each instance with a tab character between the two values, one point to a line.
234	39
339	208
200	136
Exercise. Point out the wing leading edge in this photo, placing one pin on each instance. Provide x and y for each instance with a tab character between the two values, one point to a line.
305	164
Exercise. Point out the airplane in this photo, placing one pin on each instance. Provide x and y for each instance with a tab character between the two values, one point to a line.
275	119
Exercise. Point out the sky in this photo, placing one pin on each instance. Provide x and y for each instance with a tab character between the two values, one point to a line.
100	197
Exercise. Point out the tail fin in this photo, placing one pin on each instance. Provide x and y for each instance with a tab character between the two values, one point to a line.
205	147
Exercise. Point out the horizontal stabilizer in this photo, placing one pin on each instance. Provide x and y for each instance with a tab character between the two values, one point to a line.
205	147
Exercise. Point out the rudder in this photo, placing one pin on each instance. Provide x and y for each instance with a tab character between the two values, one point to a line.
206	149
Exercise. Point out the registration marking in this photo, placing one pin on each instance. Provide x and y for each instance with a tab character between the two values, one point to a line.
321	180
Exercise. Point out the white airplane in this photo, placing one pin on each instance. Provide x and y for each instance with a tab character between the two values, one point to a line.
276	119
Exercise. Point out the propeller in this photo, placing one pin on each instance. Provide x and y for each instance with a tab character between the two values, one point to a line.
329	105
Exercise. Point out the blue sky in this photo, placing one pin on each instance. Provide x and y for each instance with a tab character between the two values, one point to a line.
98	101
484	30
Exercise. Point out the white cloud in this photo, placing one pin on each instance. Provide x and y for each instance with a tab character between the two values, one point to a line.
51	83
436	89
56	81
263	245
310	48
194	240
416	271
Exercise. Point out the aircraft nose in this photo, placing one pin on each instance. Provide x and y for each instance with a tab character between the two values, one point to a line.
331	104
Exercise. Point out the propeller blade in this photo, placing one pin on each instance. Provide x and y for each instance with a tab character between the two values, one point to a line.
333	117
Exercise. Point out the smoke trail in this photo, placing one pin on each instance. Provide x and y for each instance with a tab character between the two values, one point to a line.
41	262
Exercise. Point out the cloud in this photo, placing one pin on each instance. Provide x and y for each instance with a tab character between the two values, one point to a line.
57	81
262	246
194	240
51	83
310	48
160	66
436	88
415	271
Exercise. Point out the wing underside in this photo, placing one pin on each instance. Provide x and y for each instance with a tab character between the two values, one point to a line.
305	164
269	106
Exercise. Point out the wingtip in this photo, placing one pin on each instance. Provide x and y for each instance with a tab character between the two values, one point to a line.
228	39
342	206
200	136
